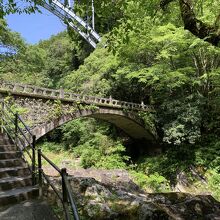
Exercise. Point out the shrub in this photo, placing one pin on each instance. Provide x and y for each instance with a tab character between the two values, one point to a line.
51	146
101	152
155	182
214	183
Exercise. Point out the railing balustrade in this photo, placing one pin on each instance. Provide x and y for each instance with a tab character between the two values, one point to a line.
71	97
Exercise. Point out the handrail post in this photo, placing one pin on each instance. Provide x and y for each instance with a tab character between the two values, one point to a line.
40	173
2	110
64	192
33	160
16	128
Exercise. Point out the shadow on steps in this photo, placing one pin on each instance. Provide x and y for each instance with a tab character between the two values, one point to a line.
28	210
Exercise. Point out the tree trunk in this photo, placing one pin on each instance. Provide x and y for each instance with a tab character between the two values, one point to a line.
200	29
209	33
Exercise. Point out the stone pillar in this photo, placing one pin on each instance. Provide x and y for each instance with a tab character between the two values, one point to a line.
61	93
110	99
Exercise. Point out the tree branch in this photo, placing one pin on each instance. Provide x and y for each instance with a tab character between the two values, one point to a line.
209	33
200	29
164	3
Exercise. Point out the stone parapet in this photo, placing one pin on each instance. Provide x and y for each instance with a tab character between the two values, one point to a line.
45	93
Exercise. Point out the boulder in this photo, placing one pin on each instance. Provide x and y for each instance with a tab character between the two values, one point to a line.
101	201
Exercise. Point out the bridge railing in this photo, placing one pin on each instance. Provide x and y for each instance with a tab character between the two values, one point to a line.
18	131
40	92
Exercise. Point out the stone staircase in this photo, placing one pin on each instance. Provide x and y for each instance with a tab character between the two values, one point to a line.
15	176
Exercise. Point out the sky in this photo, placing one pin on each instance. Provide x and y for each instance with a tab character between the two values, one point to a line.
35	27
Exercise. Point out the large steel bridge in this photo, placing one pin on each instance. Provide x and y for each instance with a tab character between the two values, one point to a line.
65	10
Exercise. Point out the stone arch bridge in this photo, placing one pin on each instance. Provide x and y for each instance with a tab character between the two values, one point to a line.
46	109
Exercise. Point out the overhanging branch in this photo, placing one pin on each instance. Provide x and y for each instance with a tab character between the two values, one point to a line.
164	3
209	33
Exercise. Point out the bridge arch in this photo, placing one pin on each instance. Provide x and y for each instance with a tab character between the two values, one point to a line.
126	121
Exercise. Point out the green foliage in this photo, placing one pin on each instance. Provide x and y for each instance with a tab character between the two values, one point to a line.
92	77
158	182
77	132
173	71
149	119
183	122
57	109
208	156
60	57
101	152
11	7
170	163
10	42
204	157
56	153
9	101
45	63
214	183
140	178
154	182
51	147
90	141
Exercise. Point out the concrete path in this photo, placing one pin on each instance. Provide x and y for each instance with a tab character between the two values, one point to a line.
28	210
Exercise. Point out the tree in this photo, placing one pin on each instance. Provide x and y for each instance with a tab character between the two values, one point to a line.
201	29
179	73
11	6
10	42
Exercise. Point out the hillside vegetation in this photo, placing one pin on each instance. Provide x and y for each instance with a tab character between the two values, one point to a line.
149	57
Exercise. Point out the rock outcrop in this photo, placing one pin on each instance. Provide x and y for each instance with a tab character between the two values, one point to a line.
115	199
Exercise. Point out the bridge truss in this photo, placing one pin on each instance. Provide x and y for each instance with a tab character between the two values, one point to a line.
65	11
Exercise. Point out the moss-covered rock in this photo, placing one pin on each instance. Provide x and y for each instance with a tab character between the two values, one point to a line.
99	201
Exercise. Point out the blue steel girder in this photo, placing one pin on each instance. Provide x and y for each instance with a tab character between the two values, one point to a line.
66	14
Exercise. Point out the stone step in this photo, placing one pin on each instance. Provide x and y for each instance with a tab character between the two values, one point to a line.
34	210
18	194
15	182
14	171
4	136
10	155
12	162
8	147
5	140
